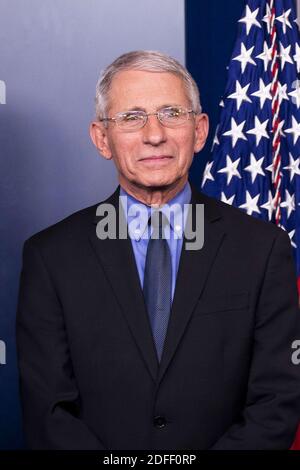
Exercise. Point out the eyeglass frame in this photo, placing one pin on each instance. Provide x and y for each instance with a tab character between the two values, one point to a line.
114	119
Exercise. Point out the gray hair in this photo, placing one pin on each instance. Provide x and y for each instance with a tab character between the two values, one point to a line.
150	61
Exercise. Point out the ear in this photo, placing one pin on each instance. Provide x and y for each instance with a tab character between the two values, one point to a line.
98	133
201	131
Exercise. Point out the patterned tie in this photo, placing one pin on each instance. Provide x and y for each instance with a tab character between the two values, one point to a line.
157	286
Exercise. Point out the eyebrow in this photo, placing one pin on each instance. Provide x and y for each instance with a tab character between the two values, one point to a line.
138	108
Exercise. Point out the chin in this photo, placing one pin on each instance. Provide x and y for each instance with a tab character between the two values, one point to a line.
158	182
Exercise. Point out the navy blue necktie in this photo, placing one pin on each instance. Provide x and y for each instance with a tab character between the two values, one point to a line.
157	286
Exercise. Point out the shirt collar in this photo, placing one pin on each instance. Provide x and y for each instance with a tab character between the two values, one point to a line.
137	213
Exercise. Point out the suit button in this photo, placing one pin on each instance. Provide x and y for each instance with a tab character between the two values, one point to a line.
159	422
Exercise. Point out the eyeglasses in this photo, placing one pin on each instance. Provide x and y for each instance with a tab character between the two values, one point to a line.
172	116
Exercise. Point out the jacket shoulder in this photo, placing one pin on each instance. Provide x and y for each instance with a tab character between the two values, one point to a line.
67	229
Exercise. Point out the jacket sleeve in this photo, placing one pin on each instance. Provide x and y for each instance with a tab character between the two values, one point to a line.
272	406
49	396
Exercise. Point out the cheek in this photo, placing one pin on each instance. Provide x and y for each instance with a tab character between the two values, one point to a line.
122	148
126	156
185	147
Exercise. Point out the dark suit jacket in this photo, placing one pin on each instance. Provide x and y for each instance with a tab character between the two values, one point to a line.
89	375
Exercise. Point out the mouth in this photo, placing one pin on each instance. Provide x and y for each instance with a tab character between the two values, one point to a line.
156	159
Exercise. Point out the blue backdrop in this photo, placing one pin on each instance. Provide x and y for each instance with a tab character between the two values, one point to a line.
51	53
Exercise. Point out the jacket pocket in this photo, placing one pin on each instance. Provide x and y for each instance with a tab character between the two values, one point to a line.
231	301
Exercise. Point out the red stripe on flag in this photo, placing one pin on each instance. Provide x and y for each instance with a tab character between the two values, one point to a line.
296	443
298	284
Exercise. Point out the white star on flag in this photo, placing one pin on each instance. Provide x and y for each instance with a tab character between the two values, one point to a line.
207	173
230	168
296	57
227	200
284	19
216	139
269	205
251	204
236	131
291	235
295	130
259	130
250	19
240	94
293	167
255	167
265	56
289	203
267	18
296	94
245	57
285	55
282	92
264	92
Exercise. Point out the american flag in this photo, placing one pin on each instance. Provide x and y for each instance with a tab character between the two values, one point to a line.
256	150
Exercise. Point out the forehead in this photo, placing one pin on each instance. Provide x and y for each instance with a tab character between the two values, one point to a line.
147	90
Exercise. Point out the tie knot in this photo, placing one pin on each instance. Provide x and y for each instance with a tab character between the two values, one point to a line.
159	221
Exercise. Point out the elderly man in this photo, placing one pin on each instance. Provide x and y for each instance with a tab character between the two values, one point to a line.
142	341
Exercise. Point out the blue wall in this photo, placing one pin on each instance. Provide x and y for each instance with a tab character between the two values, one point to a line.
51	53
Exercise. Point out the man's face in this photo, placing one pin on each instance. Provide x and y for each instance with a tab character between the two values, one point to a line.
154	156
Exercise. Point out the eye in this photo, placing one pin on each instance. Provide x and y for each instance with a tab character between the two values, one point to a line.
171	112
131	116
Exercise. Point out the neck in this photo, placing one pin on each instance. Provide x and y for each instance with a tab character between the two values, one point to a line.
155	196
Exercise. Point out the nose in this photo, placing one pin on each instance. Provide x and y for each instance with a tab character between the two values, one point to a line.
154	132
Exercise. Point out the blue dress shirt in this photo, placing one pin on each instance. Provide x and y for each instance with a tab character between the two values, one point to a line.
139	232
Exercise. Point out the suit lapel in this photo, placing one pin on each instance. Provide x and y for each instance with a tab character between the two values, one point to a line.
193	271
117	260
